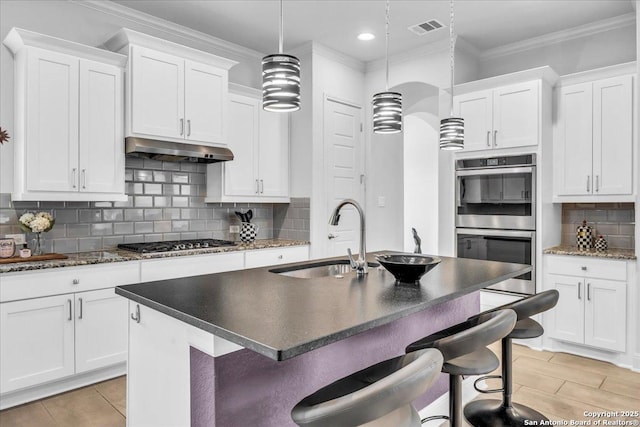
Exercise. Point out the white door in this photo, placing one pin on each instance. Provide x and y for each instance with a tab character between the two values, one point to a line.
605	314
343	166
36	341
157	93
101	139
567	318
240	175
52	121
613	136
476	110
516	115
205	100
101	329
573	150
273	149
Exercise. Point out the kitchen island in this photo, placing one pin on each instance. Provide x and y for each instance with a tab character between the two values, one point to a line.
241	348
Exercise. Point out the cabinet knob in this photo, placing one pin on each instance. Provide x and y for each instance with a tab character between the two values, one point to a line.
76	281
583	268
279	256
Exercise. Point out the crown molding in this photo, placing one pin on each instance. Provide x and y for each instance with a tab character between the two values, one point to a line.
123	12
598	74
560	36
315	48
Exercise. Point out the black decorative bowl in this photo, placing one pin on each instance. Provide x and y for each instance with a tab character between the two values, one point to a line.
408	268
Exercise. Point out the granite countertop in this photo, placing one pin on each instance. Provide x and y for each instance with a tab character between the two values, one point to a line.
623	254
118	255
281	317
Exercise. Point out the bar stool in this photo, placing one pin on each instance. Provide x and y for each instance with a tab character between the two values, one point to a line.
464	347
377	396
494	413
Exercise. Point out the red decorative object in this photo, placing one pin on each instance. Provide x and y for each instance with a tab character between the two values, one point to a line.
4	136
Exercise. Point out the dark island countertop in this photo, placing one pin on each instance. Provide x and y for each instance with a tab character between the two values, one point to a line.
282	317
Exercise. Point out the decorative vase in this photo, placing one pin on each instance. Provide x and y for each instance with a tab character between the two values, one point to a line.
248	232
601	244
584	236
38	243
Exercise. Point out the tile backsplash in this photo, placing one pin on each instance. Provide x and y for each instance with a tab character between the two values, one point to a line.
615	221
165	202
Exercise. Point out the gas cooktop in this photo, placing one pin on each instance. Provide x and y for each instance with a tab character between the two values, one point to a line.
174	245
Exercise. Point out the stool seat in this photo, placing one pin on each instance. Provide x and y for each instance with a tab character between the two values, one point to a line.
526	329
478	362
377	396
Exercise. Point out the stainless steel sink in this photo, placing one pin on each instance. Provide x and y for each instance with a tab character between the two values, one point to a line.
337	269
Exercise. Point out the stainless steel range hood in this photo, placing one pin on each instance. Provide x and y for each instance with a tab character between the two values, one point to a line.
175	151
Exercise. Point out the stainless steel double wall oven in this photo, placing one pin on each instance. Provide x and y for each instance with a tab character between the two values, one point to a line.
496	214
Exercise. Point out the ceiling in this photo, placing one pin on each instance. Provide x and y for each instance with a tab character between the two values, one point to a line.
486	24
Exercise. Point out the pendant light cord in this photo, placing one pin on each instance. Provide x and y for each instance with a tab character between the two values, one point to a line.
280	45
387	46
451	51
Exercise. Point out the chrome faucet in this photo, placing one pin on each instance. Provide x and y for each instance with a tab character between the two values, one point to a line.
360	265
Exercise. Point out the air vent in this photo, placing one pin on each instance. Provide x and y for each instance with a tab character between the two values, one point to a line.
426	27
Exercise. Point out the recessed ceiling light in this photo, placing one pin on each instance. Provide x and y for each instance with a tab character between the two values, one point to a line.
366	36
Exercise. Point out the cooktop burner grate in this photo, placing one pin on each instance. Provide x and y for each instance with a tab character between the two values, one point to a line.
174	245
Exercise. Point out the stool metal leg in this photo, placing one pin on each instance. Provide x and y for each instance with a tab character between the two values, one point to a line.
455	401
493	413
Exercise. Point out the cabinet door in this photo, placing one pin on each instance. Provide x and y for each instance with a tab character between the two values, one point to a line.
273	149
51	153
101	329
572	152
101	139
240	175
613	136
606	314
157	93
567	318
206	103
516	115
36	341
476	110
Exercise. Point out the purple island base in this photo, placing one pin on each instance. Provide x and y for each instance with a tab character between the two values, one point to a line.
246	388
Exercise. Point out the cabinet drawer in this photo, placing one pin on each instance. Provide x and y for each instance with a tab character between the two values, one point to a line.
34	284
171	268
264	257
587	267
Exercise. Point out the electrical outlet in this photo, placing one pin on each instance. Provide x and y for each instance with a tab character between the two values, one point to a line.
234	229
18	238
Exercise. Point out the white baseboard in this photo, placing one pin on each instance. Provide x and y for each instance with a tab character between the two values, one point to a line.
30	394
440	406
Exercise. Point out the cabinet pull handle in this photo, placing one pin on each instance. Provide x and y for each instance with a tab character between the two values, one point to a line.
257	187
261	186
76	281
488	136
331	236
579	287
84	178
181	126
188	127
588	186
70	315
73	177
495	138
80	315
137	315
588	291
522	194
583	268
280	256
597	183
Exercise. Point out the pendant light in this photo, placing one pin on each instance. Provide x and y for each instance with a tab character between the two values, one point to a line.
280	79
387	106
452	128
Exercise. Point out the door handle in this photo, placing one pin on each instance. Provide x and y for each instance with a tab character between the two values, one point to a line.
80	315
488	136
331	236
495	138
73	177
70	308
188	127
469	244
597	183
181	126
588	291
522	194
588	186
261	186
257	187
579	286
137	315
84	178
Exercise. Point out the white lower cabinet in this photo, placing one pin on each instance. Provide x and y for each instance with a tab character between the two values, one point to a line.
265	257
591	308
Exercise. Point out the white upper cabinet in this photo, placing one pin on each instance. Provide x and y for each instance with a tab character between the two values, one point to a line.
503	117
593	154
259	141
68	120
174	92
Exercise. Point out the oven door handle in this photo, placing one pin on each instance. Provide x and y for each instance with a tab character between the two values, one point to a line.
496	171
496	233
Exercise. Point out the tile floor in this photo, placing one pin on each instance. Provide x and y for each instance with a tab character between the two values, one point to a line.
559	385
